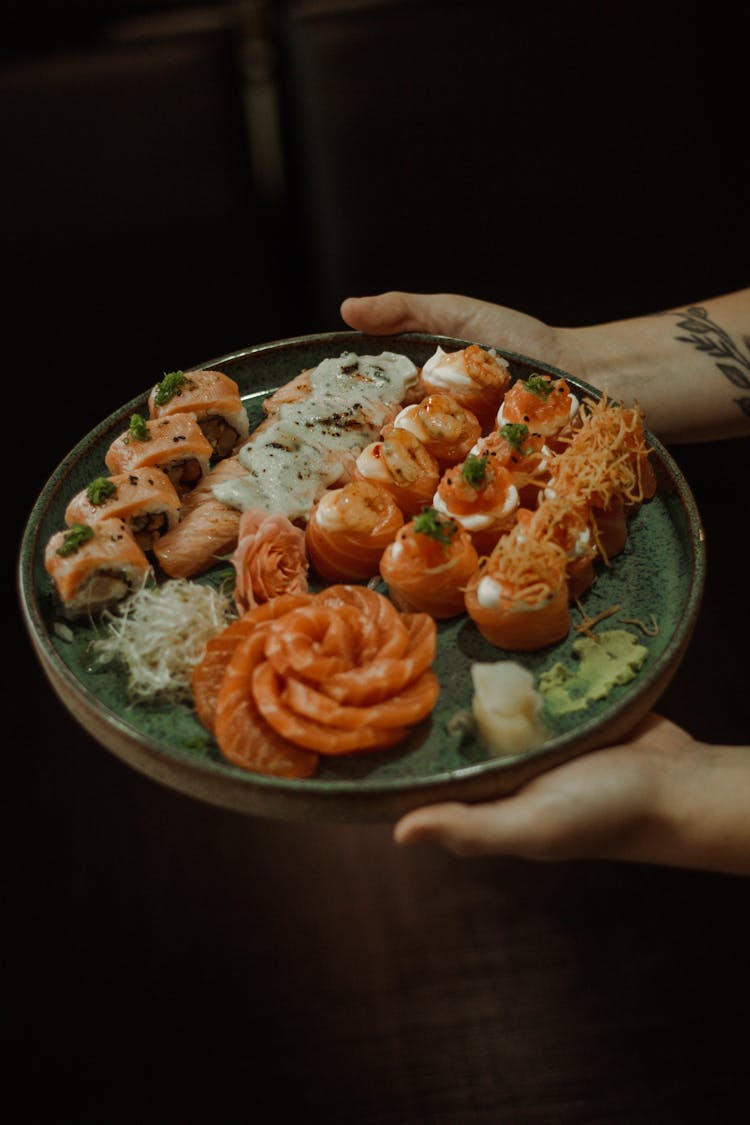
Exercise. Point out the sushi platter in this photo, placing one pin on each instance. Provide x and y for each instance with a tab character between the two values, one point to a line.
656	579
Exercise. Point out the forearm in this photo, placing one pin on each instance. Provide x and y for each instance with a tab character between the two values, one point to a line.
689	368
700	817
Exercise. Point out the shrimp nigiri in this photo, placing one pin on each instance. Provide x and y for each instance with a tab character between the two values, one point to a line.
349	528
428	565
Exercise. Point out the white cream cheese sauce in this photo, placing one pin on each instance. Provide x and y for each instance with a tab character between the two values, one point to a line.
490	592
306	447
447	370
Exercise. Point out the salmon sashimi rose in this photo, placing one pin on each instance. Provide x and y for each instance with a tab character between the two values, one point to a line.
337	672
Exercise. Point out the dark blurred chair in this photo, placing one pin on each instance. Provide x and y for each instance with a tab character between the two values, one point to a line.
136	235
563	159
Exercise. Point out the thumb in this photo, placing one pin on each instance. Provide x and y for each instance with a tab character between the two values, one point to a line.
439	313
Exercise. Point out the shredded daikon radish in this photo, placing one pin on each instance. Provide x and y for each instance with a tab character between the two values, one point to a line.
160	634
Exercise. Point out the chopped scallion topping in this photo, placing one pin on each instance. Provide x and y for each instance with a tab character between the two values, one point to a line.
539	385
429	522
138	430
100	489
79	534
169	386
474	469
515	433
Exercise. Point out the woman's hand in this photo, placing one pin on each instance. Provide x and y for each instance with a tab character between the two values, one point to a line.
660	797
682	366
447	314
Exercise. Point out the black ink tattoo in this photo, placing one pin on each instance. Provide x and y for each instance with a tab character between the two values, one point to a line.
708	337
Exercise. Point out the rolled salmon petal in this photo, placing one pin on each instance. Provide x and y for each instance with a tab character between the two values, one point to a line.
310	733
403	709
243	736
208	674
314	642
386	620
384	677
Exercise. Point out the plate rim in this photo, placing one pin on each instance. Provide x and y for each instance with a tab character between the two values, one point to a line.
364	795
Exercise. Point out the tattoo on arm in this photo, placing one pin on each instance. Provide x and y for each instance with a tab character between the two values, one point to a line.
708	337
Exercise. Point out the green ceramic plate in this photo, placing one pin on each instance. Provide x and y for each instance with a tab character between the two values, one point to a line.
660	573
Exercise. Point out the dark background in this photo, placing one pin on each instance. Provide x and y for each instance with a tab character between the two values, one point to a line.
182	180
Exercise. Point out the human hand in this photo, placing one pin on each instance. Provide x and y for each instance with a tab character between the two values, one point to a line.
625	802
465	317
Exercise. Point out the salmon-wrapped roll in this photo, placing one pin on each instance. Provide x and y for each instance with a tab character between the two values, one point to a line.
546	405
476	377
145	499
567	522
518	596
428	565
524	455
401	464
207	530
213	397
348	530
175	444
446	429
481	496
606	465
93	566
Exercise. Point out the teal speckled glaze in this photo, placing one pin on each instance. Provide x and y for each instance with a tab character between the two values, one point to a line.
659	576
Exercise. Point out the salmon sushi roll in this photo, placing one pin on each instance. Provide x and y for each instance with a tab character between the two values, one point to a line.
94	566
428	566
518	596
524	454
481	496
606	464
568	523
445	428
401	464
545	405
207	530
145	499
213	397
475	377
348	530
175	444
